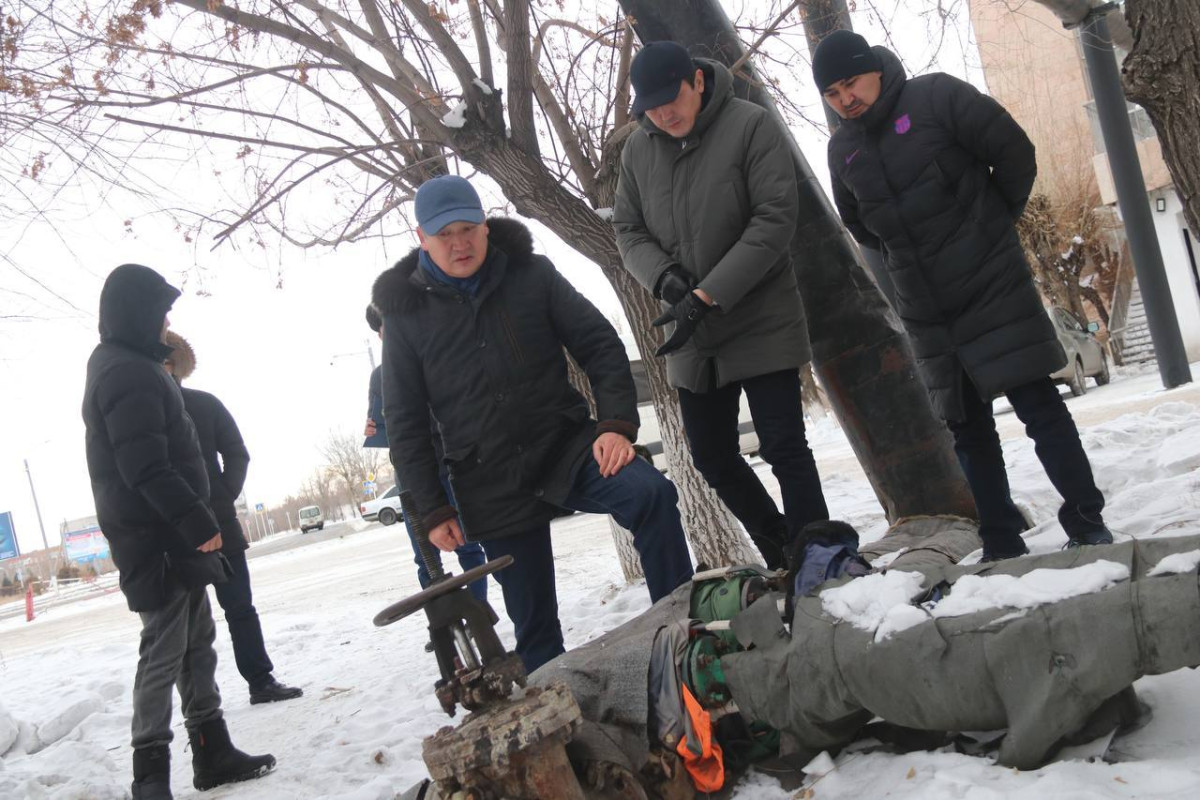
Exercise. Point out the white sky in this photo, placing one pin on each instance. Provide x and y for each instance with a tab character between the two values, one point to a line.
275	356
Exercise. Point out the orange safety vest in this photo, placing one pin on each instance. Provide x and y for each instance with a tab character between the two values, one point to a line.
701	754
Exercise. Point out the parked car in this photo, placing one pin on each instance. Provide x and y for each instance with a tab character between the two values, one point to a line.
1085	356
311	519
385	507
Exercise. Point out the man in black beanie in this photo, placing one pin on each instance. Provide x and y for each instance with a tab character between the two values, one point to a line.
935	174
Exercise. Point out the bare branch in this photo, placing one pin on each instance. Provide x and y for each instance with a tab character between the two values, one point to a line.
481	42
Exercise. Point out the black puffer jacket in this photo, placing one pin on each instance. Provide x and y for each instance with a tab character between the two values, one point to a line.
147	474
219	435
492	370
936	174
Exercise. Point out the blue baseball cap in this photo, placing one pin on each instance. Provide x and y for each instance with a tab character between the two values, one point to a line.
446	199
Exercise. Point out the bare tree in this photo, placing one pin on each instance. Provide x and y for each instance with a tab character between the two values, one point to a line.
1067	241
350	464
1161	74
346	108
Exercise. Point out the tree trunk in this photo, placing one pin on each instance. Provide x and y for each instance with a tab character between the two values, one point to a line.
860	352
1162	73
715	535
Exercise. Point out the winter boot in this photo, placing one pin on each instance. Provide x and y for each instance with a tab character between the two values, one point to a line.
1093	537
272	691
152	773
215	761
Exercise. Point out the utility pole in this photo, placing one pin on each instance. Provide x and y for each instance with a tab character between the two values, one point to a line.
37	508
1112	109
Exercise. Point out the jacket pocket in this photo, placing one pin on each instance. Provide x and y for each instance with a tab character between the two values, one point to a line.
461	460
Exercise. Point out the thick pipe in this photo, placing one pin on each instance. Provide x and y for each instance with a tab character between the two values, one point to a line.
1135	206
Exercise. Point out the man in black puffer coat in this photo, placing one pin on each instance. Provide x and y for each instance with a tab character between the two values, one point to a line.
935	174
474	329
151	491
227	460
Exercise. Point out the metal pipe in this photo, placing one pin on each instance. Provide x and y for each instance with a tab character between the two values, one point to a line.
1126	168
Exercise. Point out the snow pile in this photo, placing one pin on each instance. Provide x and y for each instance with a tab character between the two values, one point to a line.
8	730
1177	564
972	593
883	603
456	117
876	601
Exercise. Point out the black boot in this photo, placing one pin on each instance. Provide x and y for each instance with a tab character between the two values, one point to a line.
216	761
152	773
273	691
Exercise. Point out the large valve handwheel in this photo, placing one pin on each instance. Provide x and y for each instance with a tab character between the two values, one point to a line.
413	603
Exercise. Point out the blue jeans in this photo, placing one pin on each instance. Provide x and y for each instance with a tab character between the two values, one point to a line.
638	498
470	555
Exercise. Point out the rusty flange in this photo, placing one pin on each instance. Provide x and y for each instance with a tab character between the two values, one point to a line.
514	749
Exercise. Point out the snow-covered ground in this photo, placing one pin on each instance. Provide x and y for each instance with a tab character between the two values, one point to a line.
66	678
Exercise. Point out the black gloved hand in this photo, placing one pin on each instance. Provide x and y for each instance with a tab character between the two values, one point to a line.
673	284
686	314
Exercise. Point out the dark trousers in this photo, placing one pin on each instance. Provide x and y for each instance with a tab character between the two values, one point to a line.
1056	441
711	422
176	651
640	499
245	630
470	555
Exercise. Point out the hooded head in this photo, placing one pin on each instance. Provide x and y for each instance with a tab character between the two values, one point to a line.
182	359
133	309
374	321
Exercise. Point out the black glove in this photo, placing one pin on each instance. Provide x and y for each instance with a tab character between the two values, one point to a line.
673	284
686	314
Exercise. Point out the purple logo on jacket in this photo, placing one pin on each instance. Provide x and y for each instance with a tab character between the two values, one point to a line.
850	157
903	125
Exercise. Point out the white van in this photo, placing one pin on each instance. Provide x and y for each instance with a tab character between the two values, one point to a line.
311	519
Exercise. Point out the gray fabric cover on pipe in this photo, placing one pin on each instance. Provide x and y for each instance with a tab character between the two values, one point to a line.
1040	673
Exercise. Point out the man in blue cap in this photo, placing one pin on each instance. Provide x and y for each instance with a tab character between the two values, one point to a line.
935	175
475	325
705	211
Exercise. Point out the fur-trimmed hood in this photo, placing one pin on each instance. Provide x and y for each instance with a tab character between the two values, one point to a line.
395	291
182	356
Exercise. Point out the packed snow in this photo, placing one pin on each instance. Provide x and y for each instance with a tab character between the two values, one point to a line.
456	117
1176	564
356	734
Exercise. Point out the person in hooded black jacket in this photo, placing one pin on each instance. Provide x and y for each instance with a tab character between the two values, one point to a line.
935	174
226	460
474	329
470	555
151	491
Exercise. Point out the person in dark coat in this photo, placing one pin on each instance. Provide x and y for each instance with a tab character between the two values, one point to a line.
226	460
474	329
705	211
151	490
935	174
470	554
